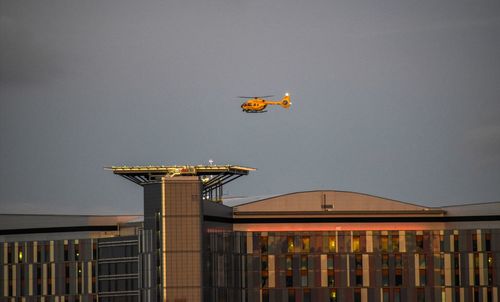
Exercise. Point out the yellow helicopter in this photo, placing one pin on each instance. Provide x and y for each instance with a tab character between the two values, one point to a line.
257	104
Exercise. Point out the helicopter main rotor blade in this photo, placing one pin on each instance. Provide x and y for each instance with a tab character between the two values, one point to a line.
255	97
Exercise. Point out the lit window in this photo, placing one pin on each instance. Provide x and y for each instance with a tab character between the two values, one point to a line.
331	244
355	243
333	295
290	244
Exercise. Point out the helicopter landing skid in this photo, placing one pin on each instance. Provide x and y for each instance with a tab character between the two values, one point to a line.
254	111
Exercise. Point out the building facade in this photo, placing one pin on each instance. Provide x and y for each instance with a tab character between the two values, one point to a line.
191	245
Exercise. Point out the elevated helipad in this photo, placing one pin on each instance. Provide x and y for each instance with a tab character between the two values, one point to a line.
213	177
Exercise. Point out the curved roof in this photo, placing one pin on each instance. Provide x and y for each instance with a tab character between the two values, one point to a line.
326	200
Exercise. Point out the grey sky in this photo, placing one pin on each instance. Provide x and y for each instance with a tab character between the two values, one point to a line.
394	98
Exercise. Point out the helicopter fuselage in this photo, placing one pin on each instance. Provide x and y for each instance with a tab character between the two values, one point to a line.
258	104
254	105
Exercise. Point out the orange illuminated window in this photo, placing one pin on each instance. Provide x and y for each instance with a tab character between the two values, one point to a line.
331	244
355	243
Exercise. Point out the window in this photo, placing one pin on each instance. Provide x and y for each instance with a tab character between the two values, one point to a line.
421	295
289	262
385	277
456	265
422	261
395	241
77	251
9	253
333	295
384	242
490	268
419	242
331	278
94	250
358	262
385	260
474	242
476	269
399	277
291	295
397	295
38	279
455	243
47	252
20	255
263	244
264	283
331	244
307	295
330	271
66	253
357	295
442	270
290	244
264	263
355	243
303	278
49	279
79	273
423	277
303	270
306	240
398	260
385	295
38	253
359	277
265	295
303	262
330	262
289	272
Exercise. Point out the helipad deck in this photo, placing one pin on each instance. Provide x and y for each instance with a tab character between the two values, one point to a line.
213	177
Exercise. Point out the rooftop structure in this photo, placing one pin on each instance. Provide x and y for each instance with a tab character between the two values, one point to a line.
213	176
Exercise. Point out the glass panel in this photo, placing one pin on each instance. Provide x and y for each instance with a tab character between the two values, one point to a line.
355	243
303	262
263	244
333	295
306	246
331	244
290	244
384	242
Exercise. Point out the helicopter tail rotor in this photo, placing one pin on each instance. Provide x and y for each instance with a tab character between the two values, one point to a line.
285	101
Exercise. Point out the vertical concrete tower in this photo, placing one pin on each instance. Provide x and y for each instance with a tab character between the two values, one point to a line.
171	244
